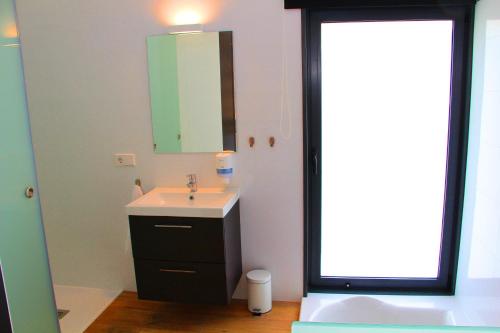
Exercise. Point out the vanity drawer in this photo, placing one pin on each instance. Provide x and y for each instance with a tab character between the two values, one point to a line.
177	239
181	282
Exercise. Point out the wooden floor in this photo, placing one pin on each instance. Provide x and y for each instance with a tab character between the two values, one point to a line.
127	314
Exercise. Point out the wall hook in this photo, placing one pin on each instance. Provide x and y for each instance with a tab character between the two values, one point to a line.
251	141
272	141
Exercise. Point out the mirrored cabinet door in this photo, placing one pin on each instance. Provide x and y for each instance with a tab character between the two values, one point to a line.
192	92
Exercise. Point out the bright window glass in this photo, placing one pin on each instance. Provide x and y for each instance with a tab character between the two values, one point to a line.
385	118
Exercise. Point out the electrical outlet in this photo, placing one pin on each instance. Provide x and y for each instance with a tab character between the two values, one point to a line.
124	159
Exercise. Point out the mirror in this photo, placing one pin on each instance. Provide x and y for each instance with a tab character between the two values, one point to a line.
192	92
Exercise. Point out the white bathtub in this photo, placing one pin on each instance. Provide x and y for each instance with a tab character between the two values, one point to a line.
400	310
369	310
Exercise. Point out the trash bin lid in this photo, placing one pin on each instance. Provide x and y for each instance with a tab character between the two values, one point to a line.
259	276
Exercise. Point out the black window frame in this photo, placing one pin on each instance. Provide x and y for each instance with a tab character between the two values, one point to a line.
462	15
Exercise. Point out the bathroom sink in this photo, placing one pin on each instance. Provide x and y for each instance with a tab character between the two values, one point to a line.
206	202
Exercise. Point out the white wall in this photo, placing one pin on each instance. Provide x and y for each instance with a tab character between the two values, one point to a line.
479	268
87	85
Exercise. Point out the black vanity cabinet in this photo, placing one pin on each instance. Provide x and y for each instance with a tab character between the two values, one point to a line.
186	259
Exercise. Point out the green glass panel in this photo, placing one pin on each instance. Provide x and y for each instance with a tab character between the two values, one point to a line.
23	253
162	58
307	327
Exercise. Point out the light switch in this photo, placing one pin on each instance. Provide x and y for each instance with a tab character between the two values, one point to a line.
124	159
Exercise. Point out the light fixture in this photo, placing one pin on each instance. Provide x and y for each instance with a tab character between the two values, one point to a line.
185	29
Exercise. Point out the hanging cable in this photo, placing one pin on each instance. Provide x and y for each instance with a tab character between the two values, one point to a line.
285	115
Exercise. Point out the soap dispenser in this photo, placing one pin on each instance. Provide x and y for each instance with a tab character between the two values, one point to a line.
224	166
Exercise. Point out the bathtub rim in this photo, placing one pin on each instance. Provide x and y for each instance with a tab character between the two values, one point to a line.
467	311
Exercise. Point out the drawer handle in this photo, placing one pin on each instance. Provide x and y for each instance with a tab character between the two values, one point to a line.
170	226
177	271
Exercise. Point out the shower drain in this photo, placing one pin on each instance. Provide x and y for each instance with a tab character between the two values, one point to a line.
61	313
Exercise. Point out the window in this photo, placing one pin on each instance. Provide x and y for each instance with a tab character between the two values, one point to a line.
386	122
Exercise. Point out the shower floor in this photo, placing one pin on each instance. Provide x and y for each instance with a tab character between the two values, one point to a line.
83	306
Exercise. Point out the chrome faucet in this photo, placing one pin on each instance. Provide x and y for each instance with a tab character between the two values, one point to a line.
192	183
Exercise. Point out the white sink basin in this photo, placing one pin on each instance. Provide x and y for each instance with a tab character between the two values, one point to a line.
164	201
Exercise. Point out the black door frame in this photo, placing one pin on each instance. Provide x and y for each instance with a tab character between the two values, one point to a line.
5	322
463	16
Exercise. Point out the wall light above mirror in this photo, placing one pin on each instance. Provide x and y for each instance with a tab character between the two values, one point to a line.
185	29
192	92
